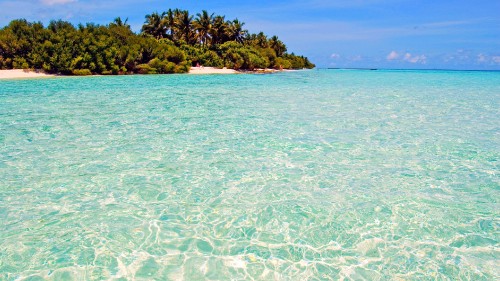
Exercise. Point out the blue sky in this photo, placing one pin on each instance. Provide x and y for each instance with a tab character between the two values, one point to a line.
460	34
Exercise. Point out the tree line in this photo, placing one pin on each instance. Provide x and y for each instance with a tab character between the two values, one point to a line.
170	42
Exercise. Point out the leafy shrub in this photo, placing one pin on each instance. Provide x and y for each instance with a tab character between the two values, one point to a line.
145	69
20	63
253	60
202	55
157	64
282	63
169	67
82	72
162	67
182	67
269	54
238	56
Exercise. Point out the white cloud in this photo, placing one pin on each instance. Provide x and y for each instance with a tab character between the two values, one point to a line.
395	56
415	59
460	56
481	58
335	56
56	2
356	58
488	59
392	55
464	55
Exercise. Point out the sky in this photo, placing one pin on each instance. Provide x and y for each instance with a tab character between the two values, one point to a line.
413	34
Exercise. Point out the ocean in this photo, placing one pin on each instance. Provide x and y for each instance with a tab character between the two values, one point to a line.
304	175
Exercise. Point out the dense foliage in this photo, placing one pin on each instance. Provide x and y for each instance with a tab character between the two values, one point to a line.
170	42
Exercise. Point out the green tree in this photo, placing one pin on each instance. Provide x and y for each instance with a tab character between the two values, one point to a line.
278	46
155	26
120	23
184	25
236	31
219	30
203	26
169	20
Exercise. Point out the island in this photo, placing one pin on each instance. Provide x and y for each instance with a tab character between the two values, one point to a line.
169	42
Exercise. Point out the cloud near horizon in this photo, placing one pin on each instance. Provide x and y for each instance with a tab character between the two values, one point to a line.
392	55
407	57
356	58
487	59
415	59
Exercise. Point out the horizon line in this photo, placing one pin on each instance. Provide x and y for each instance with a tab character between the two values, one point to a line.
407	69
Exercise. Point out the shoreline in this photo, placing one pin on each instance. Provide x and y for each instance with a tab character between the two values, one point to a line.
9	74
23	73
211	70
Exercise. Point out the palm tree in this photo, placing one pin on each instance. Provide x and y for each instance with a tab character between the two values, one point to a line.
219	30
261	40
278	46
203	25
119	22
155	26
120	28
184	24
169	20
236	31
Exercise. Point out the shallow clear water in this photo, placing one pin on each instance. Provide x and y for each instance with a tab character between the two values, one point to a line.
309	175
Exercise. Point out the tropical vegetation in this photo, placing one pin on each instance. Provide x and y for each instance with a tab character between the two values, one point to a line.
170	42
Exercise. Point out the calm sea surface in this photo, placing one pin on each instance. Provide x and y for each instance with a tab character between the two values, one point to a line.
308	175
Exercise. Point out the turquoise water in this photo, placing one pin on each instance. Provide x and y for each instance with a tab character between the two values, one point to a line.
308	175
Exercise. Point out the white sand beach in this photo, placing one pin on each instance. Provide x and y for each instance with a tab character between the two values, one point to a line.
211	70
22	73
